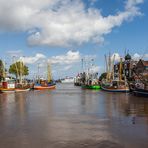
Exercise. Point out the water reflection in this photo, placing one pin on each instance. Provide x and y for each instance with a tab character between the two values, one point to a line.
72	117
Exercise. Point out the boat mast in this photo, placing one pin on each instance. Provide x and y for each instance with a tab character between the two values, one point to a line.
21	70
106	62
82	60
109	67
113	66
38	71
120	70
4	72
49	76
17	73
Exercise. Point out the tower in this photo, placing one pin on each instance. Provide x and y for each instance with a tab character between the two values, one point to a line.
127	66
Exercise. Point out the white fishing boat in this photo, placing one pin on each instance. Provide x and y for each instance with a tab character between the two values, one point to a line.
68	80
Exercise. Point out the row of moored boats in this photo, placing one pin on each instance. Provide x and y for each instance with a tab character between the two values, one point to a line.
10	85
119	77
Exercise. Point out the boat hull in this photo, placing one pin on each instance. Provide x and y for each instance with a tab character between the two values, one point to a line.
91	86
44	87
140	92
115	89
4	90
22	90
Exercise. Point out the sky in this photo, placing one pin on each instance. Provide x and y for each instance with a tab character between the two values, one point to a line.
65	32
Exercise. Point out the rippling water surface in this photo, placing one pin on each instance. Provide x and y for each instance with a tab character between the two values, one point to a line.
69	117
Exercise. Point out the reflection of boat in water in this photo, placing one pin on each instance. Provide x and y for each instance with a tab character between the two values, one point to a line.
68	80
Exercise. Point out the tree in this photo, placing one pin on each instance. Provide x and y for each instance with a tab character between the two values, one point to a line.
19	70
103	76
2	72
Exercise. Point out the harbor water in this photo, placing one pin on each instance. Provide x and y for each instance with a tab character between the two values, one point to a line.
70	117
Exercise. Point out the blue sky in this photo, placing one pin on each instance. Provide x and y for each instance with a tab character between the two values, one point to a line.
65	32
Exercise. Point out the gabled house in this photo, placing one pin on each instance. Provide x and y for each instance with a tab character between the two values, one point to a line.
142	67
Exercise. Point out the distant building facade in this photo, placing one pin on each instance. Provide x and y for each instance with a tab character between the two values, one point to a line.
124	68
142	67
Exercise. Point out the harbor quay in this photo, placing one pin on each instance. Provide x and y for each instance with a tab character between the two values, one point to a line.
72	117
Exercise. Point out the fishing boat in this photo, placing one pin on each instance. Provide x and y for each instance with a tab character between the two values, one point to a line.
45	84
78	80
89	79
139	87
116	79
67	80
115	86
45	87
8	86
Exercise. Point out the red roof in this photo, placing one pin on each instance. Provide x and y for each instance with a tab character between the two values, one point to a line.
145	63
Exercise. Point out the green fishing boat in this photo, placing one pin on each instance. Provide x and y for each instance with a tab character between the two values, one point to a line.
91	86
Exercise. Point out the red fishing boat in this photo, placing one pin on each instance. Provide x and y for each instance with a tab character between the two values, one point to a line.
44	87
45	84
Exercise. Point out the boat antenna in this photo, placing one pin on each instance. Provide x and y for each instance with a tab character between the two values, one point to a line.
82	62
125	52
38	67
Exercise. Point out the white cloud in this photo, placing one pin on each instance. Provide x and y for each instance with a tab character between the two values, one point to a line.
96	69
136	56
69	58
69	64
146	56
67	67
15	53
130	4
61	23
116	57
32	60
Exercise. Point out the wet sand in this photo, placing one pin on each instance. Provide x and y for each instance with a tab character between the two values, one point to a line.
69	117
